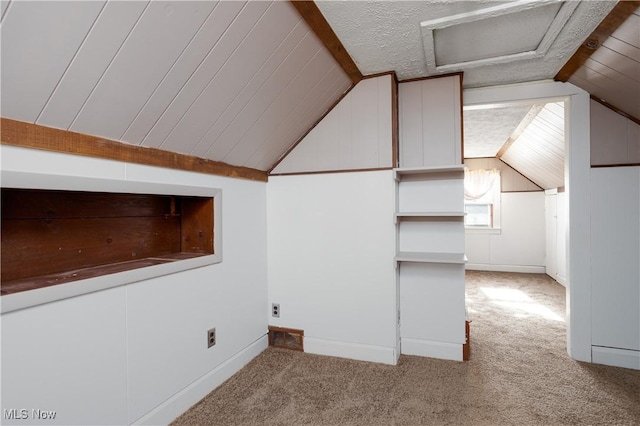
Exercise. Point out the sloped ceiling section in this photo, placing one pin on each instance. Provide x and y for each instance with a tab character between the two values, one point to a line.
529	138
231	81
538	152
487	129
612	72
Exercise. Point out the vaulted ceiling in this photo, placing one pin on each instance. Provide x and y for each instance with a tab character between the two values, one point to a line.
237	82
241	82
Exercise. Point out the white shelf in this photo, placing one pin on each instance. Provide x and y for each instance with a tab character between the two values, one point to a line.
431	257
450	216
456	171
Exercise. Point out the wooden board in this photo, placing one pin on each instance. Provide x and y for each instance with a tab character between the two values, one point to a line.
50	232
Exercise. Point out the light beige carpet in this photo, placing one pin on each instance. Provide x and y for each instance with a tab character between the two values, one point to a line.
519	374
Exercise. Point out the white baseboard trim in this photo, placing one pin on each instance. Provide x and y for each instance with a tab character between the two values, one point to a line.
559	279
432	349
526	269
625	358
357	351
168	411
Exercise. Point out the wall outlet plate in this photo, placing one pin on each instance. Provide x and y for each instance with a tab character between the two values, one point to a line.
275	310
211	337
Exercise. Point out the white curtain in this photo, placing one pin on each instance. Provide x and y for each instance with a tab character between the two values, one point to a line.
477	183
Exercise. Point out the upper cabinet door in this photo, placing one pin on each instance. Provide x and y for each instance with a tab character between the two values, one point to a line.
430	119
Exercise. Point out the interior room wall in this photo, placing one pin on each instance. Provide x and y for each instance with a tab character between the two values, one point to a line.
615	140
519	244
331	236
615	233
331	242
138	353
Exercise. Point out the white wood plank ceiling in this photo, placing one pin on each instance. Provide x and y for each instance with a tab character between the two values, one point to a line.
538	152
529	138
232	81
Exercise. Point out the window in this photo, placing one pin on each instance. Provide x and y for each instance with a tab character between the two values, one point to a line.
478	215
482	199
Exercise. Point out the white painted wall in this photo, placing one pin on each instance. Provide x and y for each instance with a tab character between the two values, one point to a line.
615	234
556	237
137	353
519	246
331	240
561	230
356	134
614	139
615	261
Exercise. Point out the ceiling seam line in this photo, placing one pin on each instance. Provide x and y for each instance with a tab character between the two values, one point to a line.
271	103
168	72
294	109
326	112
245	86
84	104
70	64
6	11
217	72
330	96
146	136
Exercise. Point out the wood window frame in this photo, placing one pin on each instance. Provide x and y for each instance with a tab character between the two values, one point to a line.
108	276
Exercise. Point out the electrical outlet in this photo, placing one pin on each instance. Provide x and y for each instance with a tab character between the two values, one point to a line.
211	337
275	310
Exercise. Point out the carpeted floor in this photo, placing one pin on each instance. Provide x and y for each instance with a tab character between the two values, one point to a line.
519	374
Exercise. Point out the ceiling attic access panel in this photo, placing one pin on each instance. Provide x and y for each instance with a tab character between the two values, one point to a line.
506	33
52	237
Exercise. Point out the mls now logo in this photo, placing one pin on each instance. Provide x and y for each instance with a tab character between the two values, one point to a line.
15	413
23	413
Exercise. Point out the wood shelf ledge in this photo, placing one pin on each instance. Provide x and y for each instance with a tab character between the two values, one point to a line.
33	283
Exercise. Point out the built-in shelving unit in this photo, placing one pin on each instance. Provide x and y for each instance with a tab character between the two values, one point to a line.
430	215
429	218
431	260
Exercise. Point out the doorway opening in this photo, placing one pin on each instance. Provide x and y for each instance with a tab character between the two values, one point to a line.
522	244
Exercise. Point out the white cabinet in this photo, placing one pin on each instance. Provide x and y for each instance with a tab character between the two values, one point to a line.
430	121
430	257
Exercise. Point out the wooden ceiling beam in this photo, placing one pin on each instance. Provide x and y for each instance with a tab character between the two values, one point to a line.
612	22
309	11
34	136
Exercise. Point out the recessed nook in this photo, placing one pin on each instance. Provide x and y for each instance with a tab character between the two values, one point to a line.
63	237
